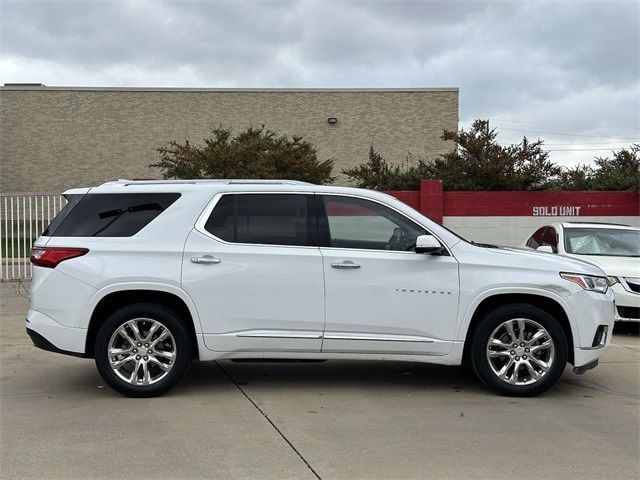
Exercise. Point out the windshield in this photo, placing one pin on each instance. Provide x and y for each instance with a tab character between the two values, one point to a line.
454	233
602	242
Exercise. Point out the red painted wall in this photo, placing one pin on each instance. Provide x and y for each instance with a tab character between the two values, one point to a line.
435	203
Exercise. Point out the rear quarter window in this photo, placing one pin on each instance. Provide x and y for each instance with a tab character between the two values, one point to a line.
109	215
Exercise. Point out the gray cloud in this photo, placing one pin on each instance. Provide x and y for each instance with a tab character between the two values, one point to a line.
575	64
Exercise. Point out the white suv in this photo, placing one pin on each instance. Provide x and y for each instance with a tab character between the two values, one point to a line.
145	276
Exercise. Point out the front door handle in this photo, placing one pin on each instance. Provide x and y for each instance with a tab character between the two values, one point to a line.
206	259
347	264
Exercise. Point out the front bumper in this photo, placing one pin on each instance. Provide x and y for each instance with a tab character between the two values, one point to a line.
50	335
593	312
627	304
584	368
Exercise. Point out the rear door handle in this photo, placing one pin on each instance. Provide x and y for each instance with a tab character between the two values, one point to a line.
206	259
347	264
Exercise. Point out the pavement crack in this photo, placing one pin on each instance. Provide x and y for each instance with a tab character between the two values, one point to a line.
28	365
271	422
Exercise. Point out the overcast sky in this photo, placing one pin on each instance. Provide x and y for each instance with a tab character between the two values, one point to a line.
565	71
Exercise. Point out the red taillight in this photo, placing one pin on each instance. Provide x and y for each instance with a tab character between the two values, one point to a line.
50	257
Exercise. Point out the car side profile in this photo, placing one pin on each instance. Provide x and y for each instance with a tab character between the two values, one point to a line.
145	276
614	248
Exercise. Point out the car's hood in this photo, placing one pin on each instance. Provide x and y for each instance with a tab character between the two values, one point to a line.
615	266
581	265
524	258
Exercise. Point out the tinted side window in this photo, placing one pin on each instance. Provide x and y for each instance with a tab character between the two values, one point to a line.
221	222
536	239
111	215
267	219
72	201
357	223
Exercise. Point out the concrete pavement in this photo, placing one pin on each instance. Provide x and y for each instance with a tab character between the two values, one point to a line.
327	420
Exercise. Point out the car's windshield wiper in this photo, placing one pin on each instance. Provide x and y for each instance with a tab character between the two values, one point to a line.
119	212
485	245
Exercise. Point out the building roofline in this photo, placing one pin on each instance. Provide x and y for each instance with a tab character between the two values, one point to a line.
42	87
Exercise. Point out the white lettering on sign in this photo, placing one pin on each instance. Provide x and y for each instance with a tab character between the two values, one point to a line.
556	211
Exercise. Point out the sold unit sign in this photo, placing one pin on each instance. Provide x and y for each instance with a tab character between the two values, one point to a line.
555	211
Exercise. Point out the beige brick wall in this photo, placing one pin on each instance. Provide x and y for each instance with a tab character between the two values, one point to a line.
52	139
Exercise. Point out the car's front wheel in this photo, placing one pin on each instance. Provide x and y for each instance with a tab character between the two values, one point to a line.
519	350
143	350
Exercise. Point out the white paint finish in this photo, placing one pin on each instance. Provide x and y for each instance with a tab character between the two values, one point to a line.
514	231
397	295
590	310
59	296
485	272
62	336
265	300
626	298
616	266
163	287
255	288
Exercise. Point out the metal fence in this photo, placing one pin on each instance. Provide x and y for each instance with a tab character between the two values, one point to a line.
23	217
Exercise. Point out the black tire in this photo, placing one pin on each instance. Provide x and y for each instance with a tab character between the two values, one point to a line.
491	322
171	321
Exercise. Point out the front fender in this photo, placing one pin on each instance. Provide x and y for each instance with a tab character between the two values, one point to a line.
472	306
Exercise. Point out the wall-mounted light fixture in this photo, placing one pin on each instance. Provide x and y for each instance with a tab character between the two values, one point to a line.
332	120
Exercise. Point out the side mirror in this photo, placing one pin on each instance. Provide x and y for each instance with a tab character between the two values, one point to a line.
545	248
428	244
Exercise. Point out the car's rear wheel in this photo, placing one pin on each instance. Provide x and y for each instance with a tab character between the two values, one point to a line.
143	350
519	350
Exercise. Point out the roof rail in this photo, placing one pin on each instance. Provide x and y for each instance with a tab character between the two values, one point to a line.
124	181
260	181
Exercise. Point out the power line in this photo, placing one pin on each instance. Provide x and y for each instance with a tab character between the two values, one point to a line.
584	143
570	134
565	124
573	143
583	149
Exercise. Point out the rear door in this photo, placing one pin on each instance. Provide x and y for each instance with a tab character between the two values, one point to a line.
254	270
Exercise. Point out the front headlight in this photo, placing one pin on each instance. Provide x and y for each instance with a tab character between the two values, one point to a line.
612	280
588	282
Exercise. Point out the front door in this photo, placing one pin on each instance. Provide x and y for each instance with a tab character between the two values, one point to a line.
255	273
382	297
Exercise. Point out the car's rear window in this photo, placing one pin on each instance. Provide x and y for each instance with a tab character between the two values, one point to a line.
108	215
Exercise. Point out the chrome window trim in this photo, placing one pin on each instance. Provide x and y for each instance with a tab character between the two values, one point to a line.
206	213
204	216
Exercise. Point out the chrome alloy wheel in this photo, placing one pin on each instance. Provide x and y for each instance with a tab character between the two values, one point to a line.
142	351
520	351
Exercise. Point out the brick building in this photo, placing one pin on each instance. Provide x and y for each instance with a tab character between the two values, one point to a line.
54	138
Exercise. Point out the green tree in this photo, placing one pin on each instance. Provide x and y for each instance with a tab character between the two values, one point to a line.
621	171
252	153
579	177
377	174
479	162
